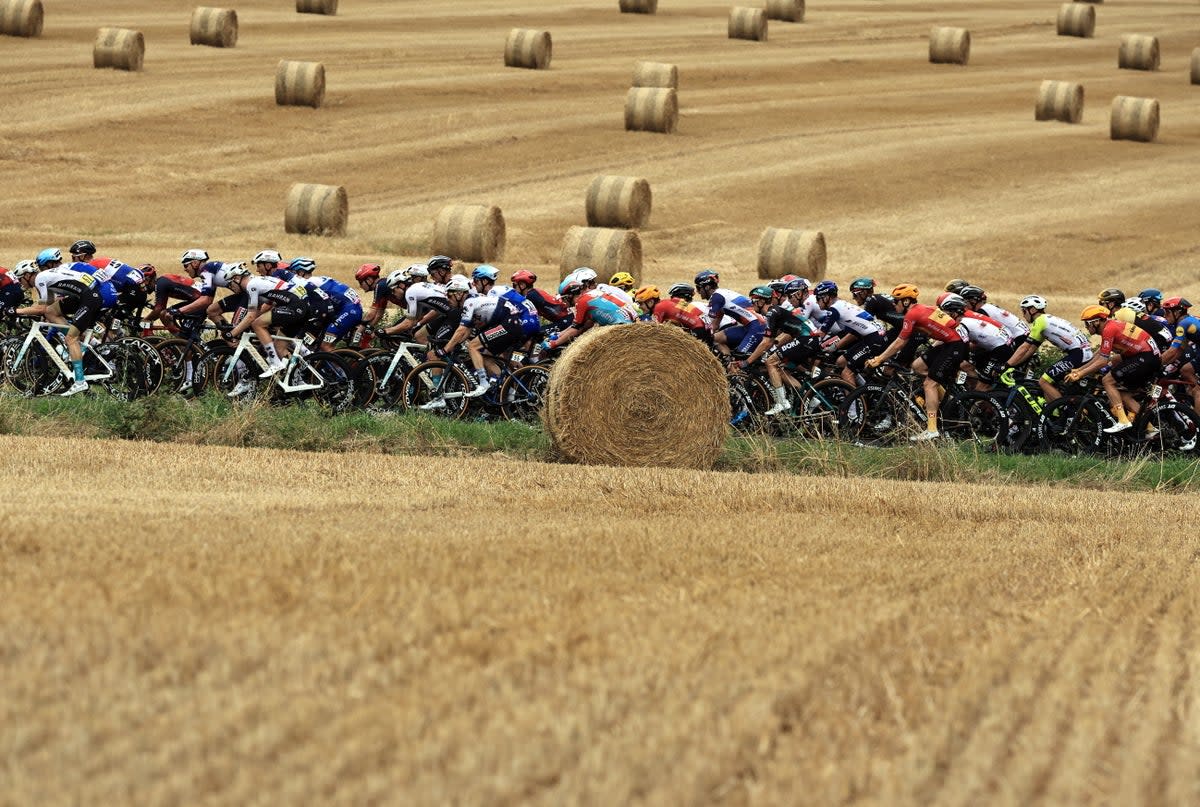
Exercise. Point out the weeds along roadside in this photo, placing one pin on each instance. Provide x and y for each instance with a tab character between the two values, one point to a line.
213	420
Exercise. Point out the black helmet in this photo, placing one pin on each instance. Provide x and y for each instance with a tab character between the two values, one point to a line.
1111	295
954	305
83	248
707	277
438	263
972	294
683	291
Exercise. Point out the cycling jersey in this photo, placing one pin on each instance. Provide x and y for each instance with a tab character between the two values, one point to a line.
728	303
486	311
1158	330
121	275
1058	332
421	298
548	305
1125	339
676	312
1187	333
782	320
384	294
1014	325
883	308
11	292
843	317
211	277
108	292
932	322
257	287
596	306
985	333
527	314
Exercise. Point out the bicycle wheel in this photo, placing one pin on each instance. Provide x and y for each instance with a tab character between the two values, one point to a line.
388	392
336	392
37	373
1167	427
126	366
815	412
748	400
1075	425
437	388
522	393
975	416
237	379
153	367
176	355
873	415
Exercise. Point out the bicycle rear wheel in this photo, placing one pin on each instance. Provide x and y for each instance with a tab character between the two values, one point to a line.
437	388
153	367
1167	427
336	392
523	392
815	413
128	370
1075	425
37	373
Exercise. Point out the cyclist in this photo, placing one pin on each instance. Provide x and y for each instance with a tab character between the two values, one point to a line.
1114	299
623	281
426	306
587	277
790	339
485	277
731	318
269	263
860	335
1140	362
1153	298
384	290
272	303
940	365
1043	327
671	310
12	293
991	347
956	285
489	322
1185	346
345	309
977	301
548	306
440	269
592	307
130	285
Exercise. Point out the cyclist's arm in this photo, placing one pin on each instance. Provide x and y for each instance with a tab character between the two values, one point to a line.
1023	353
200	304
891	350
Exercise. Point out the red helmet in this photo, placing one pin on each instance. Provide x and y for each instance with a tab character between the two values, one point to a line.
524	276
367	270
1176	303
148	272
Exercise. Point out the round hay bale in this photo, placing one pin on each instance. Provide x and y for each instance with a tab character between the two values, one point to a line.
1060	100
1196	66
119	48
469	233
316	209
618	202
639	6
651	109
608	251
949	45
655	74
317	6
672	413
1134	119
1094	2
791	252
1138	52
748	23
21	17
300	84
1076	19
216	27
528	48
785	10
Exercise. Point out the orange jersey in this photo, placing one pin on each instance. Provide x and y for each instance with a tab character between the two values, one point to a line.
933	322
677	312
1125	339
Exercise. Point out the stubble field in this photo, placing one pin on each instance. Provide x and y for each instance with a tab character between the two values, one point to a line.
191	625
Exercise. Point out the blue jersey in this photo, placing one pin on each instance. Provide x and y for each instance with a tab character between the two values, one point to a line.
531	323
727	303
1187	334
108	294
122	276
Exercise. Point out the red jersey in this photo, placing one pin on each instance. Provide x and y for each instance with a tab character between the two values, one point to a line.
5	277
1126	339
676	312
933	322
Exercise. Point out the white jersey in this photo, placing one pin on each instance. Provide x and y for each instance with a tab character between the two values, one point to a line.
48	277
481	310
844	317
618	294
1060	333
255	287
810	308
1015	326
986	336
419	293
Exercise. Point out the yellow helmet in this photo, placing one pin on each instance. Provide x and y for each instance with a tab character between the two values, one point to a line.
622	280
1092	312
905	291
646	293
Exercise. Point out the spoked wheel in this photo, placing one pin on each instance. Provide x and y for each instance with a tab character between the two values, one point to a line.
815	412
153	367
127	366
523	392
332	372
437	388
1168	427
875	417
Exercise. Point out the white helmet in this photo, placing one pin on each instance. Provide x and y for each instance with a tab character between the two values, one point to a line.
24	268
194	255
268	256
458	283
397	277
585	274
1135	304
1035	302
229	271
418	271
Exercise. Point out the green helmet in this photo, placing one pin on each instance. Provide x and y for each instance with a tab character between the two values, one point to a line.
862	284
956	285
762	291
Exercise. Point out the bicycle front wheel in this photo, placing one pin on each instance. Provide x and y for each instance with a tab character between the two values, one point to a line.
437	388
332	372
523	392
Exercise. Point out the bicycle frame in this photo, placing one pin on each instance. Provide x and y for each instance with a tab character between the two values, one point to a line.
246	346
37	337
403	354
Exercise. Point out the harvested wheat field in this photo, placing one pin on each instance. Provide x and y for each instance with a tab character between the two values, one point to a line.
673	638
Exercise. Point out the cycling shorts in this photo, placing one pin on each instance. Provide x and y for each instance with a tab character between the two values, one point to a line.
1073	358
346	320
232	302
291	319
945	360
863	348
1138	370
991	363
503	337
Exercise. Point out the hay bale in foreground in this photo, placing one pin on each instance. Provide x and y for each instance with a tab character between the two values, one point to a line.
21	17
1076	19
528	48
949	45
638	6
748	23
651	109
316	209
655	74
785	10
608	251
119	48
469	233
215	27
1196	66
316	6
791	252
1134	119
300	84
618	202
1138	52
1060	100
673	412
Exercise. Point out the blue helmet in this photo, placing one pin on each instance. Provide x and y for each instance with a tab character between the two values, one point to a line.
569	287
795	286
486	272
302	265
825	287
707	277
48	256
1151	294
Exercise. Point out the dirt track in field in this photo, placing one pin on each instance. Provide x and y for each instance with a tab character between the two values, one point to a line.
914	171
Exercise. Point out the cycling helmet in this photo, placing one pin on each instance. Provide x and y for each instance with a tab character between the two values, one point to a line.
683	291
149	272
458	283
762	292
906	291
954	304
235	272
862	284
956	285
1035	302
193	255
622	280
795	286
268	256
24	268
647	293
1151	296
1135	304
1171	303
707	277
397	277
439	263
303	266
826	288
485	272
367	270
48	256
524	276
83	248
942	297
972	294
1094	312
1111	295
777	286
585	274
570	287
